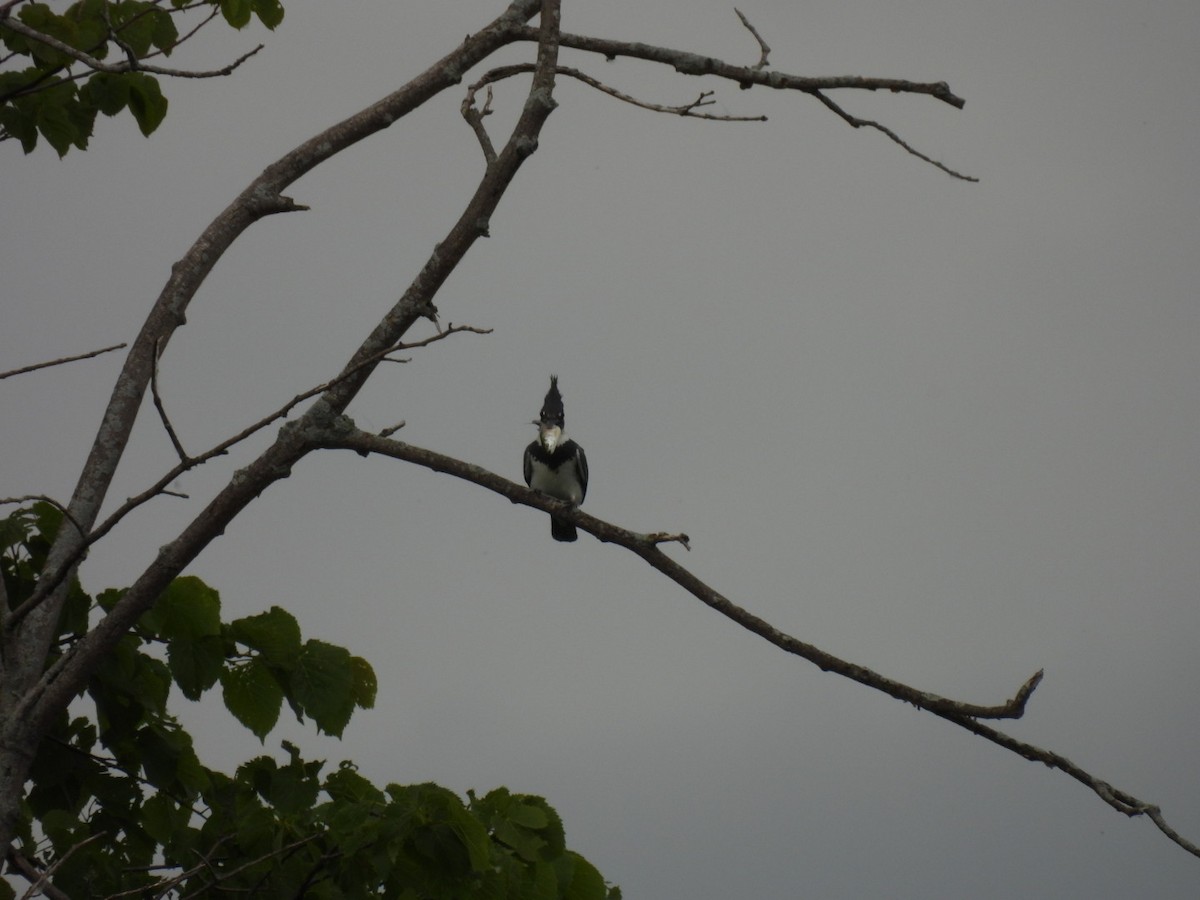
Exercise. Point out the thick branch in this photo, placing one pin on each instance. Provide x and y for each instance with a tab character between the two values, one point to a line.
262	197
647	547
687	63
66	677
965	715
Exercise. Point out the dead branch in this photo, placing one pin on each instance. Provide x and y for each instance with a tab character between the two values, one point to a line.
52	577
687	110
856	122
762	45
59	362
162	410
646	546
749	76
54	687
474	118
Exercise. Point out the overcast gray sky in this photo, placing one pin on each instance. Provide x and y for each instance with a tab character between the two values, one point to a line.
947	431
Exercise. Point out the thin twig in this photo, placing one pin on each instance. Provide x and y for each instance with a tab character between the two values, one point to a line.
59	362
856	122
687	110
50	580
162	410
749	76
766	51
442	334
474	118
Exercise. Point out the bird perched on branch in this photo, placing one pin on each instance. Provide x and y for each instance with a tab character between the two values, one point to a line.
556	465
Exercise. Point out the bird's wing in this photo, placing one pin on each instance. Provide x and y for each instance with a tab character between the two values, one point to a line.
528	463
581	464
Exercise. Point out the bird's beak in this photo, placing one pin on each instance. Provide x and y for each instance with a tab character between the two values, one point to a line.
549	436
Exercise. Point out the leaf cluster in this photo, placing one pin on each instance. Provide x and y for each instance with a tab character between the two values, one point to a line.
120	802
49	93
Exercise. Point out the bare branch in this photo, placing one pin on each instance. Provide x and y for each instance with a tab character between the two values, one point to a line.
59	362
965	715
57	684
748	76
52	577
389	431
665	537
762	45
162	411
450	329
696	64
687	110
856	122
474	118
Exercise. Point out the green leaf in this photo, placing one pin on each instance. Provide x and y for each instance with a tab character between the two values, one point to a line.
366	685
323	685
528	816
585	881
63	829
106	91
56	126
162	818
253	695
88	26
146	102
189	608
165	749
269	12
165	35
347	786
141	26
196	663
290	789
237	12
473	835
275	634
40	17
108	598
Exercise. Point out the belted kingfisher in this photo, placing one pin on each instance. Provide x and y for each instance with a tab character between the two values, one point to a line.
556	465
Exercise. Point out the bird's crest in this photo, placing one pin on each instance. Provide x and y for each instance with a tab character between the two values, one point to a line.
552	406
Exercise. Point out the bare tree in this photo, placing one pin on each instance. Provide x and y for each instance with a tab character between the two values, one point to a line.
32	693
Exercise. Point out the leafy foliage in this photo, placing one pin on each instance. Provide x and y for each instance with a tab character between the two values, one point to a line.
121	802
46	92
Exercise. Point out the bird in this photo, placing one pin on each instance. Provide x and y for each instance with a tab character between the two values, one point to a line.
556	465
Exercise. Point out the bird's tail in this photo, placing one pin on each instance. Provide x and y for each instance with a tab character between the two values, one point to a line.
562	530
